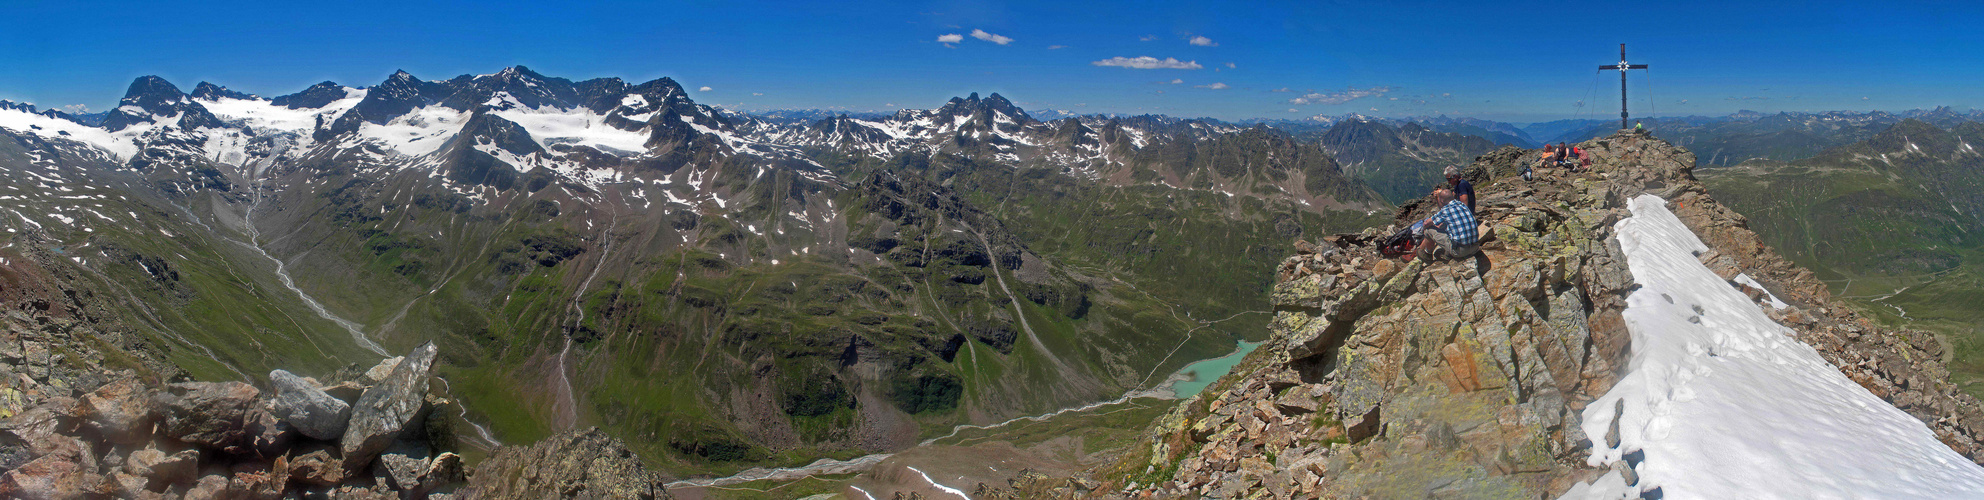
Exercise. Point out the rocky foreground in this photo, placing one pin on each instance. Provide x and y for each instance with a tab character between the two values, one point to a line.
376	433
1467	379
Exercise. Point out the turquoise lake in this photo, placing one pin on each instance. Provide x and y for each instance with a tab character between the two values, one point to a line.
1203	373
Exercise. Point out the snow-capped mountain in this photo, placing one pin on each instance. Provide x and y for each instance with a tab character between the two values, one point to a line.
515	120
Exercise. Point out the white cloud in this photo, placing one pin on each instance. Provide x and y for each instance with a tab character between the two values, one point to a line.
1230	66
1340	97
705	89
75	108
1147	62
1056	47
1214	86
1175	81
1204	42
1147	38
982	35
1283	89
1293	110
949	39
757	93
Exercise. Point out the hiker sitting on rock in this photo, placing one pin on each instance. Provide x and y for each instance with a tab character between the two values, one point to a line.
1450	232
1463	190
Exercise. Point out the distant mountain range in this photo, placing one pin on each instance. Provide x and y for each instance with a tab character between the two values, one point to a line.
1749	135
723	290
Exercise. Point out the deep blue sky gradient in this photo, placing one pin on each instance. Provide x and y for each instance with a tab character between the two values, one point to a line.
1522	62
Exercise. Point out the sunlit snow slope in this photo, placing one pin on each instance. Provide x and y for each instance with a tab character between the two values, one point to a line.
1726	404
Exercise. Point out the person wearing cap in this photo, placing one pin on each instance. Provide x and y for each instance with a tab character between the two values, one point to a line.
1463	190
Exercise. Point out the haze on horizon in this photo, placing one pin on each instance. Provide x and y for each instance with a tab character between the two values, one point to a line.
1273	60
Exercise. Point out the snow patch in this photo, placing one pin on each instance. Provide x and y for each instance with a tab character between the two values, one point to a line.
419	132
1726	404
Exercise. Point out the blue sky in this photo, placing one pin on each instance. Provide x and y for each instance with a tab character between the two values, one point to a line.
1520	62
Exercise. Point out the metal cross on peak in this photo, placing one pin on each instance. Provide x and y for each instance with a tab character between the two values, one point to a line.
1622	67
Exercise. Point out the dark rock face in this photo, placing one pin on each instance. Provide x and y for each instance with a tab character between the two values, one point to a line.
316	96
385	410
400	94
577	464
209	91
151	98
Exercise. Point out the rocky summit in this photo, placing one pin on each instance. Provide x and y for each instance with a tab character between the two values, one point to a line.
1469	378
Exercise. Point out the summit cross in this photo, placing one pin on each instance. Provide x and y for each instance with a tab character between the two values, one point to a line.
1622	67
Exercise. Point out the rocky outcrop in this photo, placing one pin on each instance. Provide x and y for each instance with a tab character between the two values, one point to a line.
1467	379
386	409
584	463
132	439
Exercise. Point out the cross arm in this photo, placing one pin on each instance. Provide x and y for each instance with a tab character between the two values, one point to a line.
1629	66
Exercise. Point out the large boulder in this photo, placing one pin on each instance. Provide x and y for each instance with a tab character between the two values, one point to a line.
212	414
386	409
583	463
122	411
310	410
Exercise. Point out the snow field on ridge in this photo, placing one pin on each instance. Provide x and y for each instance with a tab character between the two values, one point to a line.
1726	404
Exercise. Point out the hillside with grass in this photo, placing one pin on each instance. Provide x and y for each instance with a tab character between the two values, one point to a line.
1889	223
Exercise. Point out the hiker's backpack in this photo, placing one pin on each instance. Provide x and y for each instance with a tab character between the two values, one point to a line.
1401	243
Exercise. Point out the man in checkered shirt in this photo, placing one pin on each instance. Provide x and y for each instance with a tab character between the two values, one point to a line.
1450	232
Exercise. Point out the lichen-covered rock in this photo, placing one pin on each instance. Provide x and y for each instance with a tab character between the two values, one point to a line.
576	464
308	408
384	411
